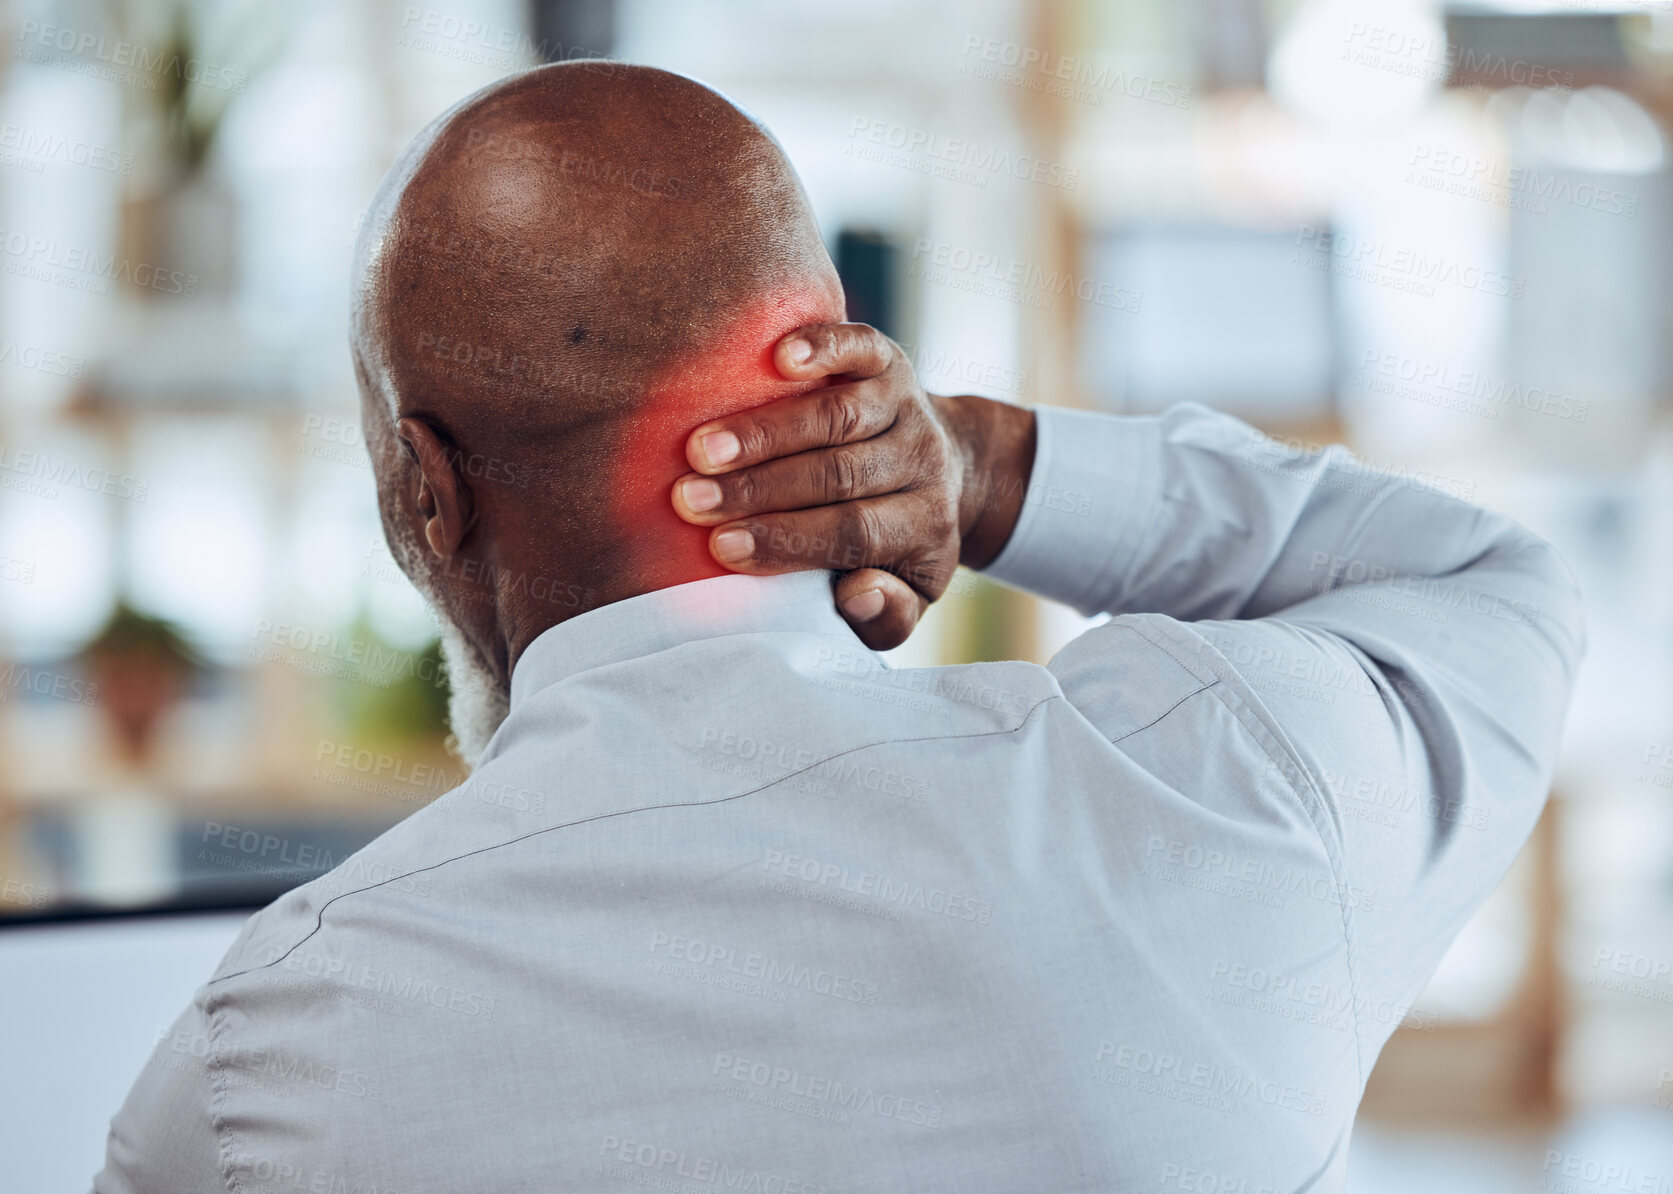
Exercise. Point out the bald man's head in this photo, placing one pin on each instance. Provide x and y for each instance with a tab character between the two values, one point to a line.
576	233
561	277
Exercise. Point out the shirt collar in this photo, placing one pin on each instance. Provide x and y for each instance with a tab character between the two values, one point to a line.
798	602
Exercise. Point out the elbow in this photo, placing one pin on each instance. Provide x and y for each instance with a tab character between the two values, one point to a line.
1568	603
1555	607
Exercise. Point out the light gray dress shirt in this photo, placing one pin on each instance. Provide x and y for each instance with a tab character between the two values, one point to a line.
732	906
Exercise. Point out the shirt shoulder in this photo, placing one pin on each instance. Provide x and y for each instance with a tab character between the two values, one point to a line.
1172	700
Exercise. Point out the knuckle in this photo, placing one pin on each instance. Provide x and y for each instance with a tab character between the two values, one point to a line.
863	528
856	340
886	355
932	443
844	476
946	517
740	490
844	416
755	438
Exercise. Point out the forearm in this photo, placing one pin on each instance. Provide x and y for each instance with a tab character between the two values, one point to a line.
1195	515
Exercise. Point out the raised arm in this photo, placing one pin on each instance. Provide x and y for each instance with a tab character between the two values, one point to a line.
1408	655
1196	515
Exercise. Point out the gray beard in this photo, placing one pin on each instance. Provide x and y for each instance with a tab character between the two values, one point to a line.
476	703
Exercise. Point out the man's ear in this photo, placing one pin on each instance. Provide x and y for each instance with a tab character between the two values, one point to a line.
445	502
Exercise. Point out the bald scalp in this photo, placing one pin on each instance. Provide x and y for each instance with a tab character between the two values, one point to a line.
558	249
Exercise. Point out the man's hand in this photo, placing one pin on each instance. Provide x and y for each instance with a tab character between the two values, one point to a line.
891	487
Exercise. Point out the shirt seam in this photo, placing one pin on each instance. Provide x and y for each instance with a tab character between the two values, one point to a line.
1164	712
225	1145
319	919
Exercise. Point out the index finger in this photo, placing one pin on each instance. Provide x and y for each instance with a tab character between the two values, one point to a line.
820	419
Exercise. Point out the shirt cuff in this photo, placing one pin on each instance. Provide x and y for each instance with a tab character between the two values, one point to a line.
1095	484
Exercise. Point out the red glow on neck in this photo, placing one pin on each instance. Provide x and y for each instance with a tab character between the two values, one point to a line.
737	374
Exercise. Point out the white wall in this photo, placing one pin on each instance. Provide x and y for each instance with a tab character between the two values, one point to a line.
83	1004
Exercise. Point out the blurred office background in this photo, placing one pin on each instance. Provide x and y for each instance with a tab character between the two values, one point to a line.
1438	232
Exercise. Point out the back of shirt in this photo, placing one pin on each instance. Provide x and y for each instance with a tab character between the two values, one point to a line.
787	925
731	906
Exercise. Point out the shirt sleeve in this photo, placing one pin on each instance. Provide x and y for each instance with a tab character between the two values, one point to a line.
1411	653
163	1140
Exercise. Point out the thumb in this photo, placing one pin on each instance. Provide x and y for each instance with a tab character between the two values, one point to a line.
882	609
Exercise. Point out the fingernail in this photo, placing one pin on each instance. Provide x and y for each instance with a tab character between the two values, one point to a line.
798	351
719	447
699	495
734	545
863	607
